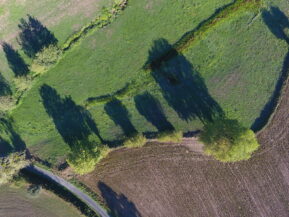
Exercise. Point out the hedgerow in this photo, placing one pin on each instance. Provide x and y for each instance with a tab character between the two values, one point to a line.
105	18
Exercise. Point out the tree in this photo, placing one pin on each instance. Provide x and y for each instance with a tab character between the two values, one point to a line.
228	141
10	166
85	155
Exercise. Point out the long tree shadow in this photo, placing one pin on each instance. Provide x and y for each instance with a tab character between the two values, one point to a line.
118	204
34	36
5	147
149	107
73	122
120	116
277	22
15	61
181	85
5	89
13	142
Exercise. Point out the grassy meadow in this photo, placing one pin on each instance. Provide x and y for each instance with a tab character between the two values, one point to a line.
61	17
16	202
232	68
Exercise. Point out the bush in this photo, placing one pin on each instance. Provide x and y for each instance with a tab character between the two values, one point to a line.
34	190
170	136
6	103
84	157
47	57
22	84
10	166
136	141
228	141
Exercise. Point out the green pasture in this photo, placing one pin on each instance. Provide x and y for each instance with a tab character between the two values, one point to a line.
16	201
61	17
232	68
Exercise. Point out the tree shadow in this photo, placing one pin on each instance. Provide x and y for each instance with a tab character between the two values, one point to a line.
34	36
5	147
5	89
73	122
15	138
13	142
120	116
15	61
276	21
181	85
118	204
149	107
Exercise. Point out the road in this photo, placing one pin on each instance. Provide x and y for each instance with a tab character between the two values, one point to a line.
82	196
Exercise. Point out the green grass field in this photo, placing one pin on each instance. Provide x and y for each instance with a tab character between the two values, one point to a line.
233	67
16	202
61	17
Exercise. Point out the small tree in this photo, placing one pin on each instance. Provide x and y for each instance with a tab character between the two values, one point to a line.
228	141
136	141
45	58
84	156
10	166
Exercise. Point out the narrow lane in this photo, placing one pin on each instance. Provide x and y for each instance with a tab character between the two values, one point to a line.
78	193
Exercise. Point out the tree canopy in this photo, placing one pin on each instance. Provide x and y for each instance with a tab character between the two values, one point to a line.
228	141
84	156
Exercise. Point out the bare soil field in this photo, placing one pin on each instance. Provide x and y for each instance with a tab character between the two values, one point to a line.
172	180
15	202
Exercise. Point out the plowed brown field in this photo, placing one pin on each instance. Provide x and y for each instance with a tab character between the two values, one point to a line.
172	180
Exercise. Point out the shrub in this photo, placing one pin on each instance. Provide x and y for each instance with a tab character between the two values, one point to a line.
228	141
47	57
136	141
170	136
22	84
7	103
84	157
34	190
106	17
10	166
